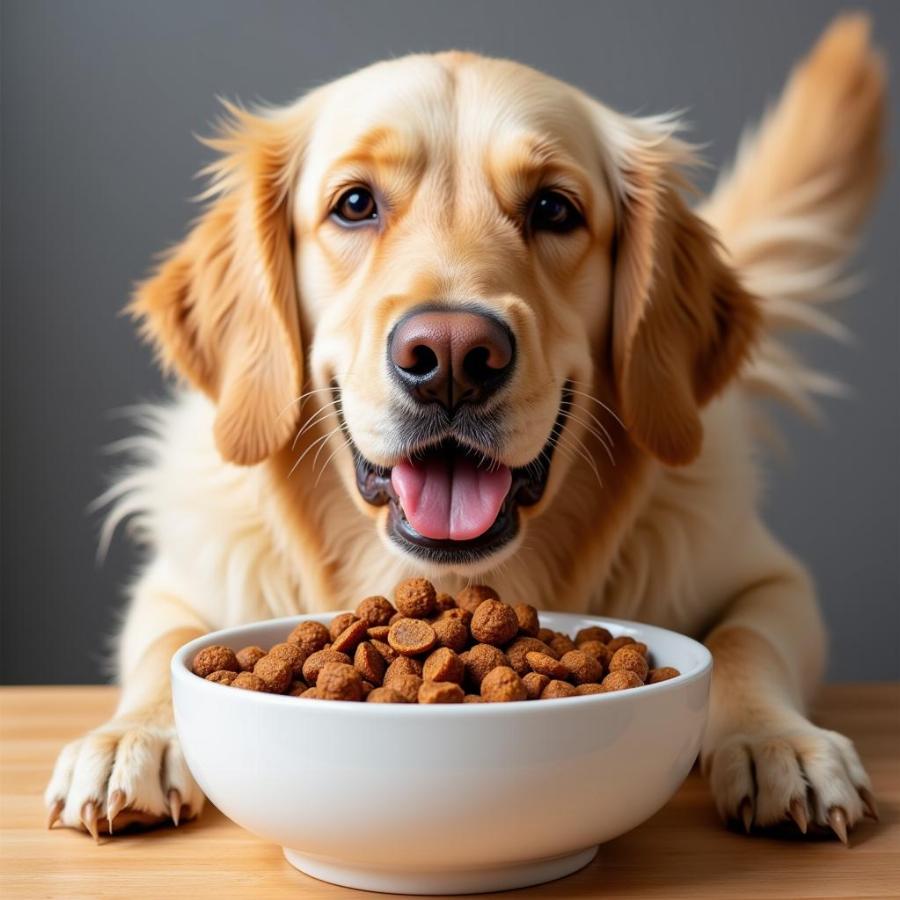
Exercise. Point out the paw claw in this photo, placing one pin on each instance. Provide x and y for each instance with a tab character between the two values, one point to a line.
797	811
175	806
114	805
89	819
837	819
869	803
745	811
54	814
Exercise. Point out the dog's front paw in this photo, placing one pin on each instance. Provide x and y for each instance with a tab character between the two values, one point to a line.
128	772
792	770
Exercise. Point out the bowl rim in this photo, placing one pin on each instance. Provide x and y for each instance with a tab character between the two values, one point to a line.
181	673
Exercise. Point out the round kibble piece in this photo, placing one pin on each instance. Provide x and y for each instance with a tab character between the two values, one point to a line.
275	672
375	611
407	686
593	633
315	661
641	648
655	676
339	681
630	659
222	676
557	688
528	619
379	632
440	692
291	654
310	694
248	657
385	695
547	665
444	601
388	653
480	659
473	698
402	665
249	682
471	597
502	685
494	622
583	668
340	623
546	635
619	642
298	686
562	643
583	689
534	684
311	636
519	648
367	688
212	659
415	598
369	663
621	680
411	637
598	650
350	637
451	633
463	615
443	665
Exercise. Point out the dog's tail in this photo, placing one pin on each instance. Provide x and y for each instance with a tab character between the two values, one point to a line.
790	210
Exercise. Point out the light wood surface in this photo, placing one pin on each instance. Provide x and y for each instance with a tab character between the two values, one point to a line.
682	852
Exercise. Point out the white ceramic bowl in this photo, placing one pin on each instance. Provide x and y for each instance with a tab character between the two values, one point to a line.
445	798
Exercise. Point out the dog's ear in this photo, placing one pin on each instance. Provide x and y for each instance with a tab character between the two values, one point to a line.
682	323
221	309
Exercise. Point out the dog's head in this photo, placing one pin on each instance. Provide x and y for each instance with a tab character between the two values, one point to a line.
468	268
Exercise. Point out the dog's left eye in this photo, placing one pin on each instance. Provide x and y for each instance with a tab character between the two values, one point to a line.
355	206
553	211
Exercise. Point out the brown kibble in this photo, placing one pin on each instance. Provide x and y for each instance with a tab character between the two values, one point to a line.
212	659
247	681
375	611
474	595
473	698
534	684
396	617
248	657
451	633
311	636
502	685
369	663
583	689
407	686
641	648
632	660
310	694
561	643
583	668
385	695
444	601
412	637
415	598
546	665
292	654
402	665
340	623
367	688
275	672
462	615
388	653
222	676
351	636
440	692
599	651
480	659
528	619
443	665
546	635
556	689
655	676
593	633
520	647
379	632
621	680
315	661
619	642
494	622
297	688
339	681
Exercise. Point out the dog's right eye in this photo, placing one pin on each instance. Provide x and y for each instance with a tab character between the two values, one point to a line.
355	206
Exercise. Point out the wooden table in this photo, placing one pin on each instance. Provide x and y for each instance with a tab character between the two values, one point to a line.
682	852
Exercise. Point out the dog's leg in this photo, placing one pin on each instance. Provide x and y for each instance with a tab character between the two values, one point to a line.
130	770
766	762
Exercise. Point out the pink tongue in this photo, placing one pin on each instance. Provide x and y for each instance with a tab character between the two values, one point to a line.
450	499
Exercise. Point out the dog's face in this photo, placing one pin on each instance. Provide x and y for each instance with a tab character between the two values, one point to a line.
484	270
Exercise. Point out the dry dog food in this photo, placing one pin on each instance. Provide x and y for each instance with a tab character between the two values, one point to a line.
428	647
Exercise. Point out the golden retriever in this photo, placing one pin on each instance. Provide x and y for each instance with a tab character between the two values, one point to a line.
450	315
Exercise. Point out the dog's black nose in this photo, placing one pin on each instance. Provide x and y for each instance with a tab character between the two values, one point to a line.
451	356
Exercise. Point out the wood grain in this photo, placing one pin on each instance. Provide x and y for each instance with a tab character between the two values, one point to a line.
682	852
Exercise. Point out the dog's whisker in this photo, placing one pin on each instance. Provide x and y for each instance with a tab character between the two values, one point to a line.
600	403
319	416
301	398
596	435
318	440
347	442
324	444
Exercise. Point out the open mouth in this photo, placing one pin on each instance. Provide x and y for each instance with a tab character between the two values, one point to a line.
450	503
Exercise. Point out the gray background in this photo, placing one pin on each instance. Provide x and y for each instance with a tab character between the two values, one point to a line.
100	101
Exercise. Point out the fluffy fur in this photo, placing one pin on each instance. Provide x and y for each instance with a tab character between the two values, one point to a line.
665	320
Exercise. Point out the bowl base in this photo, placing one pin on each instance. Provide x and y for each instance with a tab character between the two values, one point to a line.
467	881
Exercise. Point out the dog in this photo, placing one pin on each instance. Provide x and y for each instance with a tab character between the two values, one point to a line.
451	316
